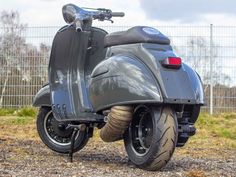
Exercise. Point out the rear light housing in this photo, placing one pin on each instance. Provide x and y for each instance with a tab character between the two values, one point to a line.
172	62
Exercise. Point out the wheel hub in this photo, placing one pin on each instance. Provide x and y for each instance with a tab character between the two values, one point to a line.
57	131
142	128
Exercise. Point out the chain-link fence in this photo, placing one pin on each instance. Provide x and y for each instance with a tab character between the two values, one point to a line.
211	50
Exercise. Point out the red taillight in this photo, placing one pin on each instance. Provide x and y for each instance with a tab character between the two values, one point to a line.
172	62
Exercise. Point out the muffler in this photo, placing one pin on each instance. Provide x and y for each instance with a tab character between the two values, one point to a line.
118	121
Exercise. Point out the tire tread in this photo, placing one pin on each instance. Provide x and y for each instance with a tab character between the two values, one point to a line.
163	144
168	142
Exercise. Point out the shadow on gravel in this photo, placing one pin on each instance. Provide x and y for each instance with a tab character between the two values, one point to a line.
121	161
103	158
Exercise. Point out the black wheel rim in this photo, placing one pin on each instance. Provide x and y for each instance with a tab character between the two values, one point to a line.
141	131
57	131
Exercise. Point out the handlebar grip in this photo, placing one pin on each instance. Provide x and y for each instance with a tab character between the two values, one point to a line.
118	14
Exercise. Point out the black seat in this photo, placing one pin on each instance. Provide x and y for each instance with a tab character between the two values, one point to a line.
138	34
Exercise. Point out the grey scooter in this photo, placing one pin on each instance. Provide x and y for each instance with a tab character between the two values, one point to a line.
129	84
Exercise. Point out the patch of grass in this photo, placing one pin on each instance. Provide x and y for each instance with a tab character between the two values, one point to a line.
226	134
26	112
220	128
20	120
17	117
221	125
15	120
230	116
6	111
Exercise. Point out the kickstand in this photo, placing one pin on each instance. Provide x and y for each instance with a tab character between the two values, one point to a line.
75	131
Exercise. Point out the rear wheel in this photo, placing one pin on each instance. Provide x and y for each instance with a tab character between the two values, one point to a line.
55	134
151	137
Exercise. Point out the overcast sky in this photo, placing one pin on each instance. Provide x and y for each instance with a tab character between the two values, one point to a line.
138	12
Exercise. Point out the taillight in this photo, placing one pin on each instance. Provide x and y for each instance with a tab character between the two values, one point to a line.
172	62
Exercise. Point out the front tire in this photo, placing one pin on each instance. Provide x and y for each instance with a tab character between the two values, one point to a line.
151	137
55	135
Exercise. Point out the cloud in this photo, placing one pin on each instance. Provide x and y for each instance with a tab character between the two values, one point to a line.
186	10
48	12
138	12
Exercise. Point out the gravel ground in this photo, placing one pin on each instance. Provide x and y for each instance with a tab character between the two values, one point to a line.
33	158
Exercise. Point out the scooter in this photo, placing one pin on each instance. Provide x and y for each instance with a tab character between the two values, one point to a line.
129	84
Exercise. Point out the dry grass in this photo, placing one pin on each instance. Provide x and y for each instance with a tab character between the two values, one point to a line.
196	173
218	131
15	127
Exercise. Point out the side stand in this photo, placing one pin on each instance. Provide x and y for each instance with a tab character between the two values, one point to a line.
76	128
75	131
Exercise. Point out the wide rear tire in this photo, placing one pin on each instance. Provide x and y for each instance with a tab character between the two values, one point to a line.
55	135
151	137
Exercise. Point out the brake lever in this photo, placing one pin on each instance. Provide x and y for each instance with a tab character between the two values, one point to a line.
110	20
103	9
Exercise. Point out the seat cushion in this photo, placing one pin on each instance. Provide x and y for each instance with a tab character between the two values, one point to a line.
137	34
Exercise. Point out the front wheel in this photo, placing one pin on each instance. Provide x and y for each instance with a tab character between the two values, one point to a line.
55	134
151	137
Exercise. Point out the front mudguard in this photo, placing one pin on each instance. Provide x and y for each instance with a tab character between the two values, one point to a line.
122	80
42	98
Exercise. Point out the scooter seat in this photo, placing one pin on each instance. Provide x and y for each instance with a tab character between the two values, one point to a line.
137	34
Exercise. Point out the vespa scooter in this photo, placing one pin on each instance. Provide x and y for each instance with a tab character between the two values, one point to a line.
129	84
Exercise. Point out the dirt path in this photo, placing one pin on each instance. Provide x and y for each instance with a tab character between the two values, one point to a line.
32	158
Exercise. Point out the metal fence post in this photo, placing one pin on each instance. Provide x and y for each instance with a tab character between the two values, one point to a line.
211	69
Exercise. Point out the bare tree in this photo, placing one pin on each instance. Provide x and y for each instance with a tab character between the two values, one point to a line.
22	65
11	45
199	57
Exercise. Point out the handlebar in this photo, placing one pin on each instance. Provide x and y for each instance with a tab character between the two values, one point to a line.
118	14
73	14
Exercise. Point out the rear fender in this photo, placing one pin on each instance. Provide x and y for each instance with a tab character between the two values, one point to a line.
121	80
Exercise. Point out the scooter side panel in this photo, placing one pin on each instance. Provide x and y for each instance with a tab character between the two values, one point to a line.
121	80
178	86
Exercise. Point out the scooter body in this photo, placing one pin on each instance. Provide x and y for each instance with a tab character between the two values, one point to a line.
95	78
92	72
